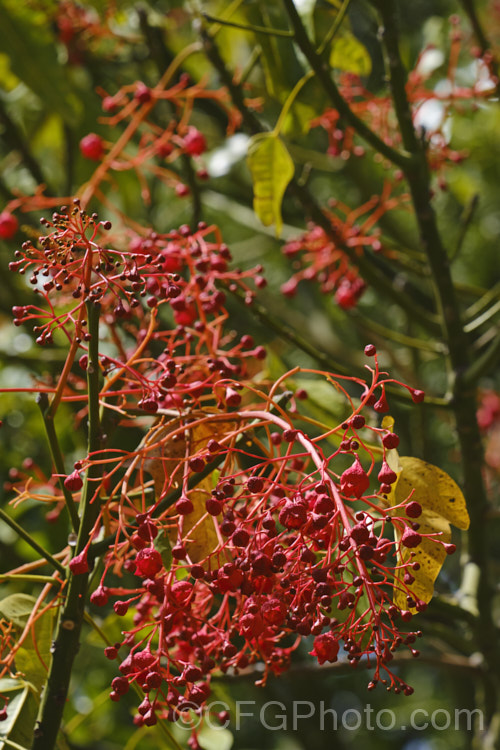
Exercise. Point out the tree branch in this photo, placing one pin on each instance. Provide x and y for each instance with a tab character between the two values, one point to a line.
71	615
32	542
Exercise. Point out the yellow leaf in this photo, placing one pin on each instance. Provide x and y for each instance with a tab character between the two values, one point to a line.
199	532
272	168
350	55
165	464
435	490
443	503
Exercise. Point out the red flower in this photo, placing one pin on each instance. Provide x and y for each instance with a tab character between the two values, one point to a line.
73	482
354	481
148	562
326	648
8	225
92	146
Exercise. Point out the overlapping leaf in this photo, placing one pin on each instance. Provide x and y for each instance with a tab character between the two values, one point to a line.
443	504
199	532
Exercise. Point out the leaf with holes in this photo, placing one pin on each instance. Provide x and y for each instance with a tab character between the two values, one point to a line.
442	502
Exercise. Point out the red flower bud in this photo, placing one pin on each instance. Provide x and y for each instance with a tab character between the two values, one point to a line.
79	564
410	538
417	396
194	142
255	484
354	481
8	225
359	534
73	482
142	93
232	397
413	509
293	515
391	440
92	146
100	596
386	475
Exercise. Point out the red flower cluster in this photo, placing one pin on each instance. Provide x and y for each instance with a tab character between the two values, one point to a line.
328	259
237	571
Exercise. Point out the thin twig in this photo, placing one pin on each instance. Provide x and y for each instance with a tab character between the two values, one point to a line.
244	27
57	457
32	542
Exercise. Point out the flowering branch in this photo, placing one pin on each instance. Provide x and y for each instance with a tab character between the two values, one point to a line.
71	616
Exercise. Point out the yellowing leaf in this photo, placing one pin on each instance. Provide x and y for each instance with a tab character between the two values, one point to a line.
442	504
272	169
435	490
199	531
164	462
349	54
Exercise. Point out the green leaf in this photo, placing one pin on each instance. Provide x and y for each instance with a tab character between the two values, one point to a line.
162	545
272	51
22	711
27	41
272	168
33	656
17	608
310	100
323	400
298	120
349	54
216	738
